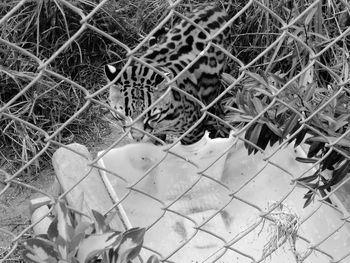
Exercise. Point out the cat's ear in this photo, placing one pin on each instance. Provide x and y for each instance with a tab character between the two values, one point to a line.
111	72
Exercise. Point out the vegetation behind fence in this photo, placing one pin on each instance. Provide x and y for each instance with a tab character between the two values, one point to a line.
285	81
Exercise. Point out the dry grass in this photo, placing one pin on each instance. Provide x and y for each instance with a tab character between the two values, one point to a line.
43	27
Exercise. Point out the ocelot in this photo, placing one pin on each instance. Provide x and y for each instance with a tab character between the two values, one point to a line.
139	86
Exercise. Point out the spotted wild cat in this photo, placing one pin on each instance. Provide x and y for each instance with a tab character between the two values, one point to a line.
139	86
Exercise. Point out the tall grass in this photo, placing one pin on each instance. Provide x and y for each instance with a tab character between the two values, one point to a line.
41	27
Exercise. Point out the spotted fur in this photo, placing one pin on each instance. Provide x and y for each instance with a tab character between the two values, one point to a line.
139	86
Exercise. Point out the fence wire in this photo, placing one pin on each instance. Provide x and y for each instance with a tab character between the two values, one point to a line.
268	78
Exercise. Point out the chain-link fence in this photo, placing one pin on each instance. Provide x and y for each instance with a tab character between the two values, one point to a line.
285	83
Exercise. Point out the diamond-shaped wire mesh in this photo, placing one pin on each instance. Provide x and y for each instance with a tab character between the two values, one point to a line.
286	79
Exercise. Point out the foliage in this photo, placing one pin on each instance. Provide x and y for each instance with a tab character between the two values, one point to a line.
283	227
41	28
69	240
295	95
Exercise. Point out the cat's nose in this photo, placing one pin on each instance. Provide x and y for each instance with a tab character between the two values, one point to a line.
137	135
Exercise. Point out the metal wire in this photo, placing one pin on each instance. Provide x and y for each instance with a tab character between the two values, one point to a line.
266	215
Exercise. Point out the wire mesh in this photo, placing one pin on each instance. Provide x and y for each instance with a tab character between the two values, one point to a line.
275	87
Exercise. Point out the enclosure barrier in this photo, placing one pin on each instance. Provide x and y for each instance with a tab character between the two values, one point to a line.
279	93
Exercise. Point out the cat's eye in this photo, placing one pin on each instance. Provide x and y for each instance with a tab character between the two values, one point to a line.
155	115
117	116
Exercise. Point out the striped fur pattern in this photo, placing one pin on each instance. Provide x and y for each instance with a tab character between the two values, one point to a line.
139	86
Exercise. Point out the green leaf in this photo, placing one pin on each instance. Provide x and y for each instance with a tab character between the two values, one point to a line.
300	137
251	108
228	78
305	160
341	122
258	105
310	15
314	149
339	174
83	227
255	135
258	79
309	196
274	129
343	142
334	158
308	179
263	92
97	244
292	122
131	244
64	221
100	223
74	244
331	122
39	250
52	231
153	259
281	109
323	194
247	136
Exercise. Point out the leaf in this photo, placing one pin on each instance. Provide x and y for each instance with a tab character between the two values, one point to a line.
256	133
309	196
240	100
74	244
252	135
341	122
249	147
274	129
292	122
258	78
310	15
309	91
332	159
251	108
331	122
131	244
305	160
39	250
339	174
265	136
323	194
308	179
281	109
153	259
64	225
314	149
52	231
263	92
331	139
273	139
60	232
83	227
258	105
300	137
96	244
228	78
101	226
